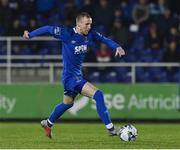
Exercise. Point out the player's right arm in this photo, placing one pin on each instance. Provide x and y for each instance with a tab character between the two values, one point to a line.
57	32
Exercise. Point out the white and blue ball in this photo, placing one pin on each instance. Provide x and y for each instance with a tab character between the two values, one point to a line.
128	133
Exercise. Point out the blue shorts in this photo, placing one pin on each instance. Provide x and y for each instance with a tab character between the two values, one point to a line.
73	85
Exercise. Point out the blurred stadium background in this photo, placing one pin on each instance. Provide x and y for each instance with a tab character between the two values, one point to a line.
143	85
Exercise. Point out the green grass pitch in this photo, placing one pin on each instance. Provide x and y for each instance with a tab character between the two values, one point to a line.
86	136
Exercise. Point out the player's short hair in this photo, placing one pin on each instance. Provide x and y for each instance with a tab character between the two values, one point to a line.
82	15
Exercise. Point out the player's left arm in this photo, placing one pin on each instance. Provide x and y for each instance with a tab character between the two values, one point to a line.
119	51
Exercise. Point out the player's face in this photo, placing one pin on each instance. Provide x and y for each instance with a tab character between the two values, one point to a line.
85	25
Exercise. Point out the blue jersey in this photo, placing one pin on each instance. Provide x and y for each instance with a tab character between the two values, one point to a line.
74	46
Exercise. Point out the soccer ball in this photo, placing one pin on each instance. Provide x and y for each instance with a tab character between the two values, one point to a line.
128	133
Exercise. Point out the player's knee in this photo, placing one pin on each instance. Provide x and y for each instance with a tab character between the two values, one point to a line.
68	105
98	95
68	100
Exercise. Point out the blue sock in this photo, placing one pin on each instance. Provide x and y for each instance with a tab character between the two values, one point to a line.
101	108
57	112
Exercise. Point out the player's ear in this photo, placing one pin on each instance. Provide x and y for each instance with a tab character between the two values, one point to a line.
78	24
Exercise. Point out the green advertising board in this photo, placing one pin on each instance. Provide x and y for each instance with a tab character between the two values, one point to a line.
139	101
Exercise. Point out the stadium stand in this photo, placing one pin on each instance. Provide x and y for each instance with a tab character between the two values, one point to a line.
149	30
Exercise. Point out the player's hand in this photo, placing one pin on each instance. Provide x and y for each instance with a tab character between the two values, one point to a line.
120	52
26	34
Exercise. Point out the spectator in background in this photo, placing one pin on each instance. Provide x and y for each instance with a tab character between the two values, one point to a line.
171	55
118	15
162	6
165	22
16	29
140	12
121	33
173	35
70	13
153	40
103	14
103	55
5	14
157	9
127	7
88	7
32	24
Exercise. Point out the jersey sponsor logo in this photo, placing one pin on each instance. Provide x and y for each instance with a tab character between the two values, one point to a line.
80	49
57	30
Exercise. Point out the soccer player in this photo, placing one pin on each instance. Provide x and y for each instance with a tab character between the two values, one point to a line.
75	42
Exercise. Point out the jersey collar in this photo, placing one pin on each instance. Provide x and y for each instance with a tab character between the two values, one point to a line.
74	30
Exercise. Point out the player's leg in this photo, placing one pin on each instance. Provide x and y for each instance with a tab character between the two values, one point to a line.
57	113
60	109
92	92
